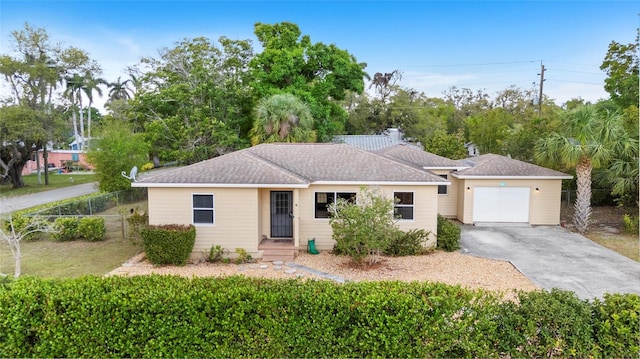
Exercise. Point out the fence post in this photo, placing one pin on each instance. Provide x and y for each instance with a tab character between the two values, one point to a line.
90	209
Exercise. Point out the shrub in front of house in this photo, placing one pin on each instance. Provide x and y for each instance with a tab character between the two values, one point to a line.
65	229
169	316
448	235
408	243
168	244
92	229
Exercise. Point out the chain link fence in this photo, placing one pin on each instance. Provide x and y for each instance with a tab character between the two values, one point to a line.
96	205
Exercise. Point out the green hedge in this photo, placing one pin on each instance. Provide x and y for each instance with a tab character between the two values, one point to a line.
155	316
92	229
448	235
168	244
65	229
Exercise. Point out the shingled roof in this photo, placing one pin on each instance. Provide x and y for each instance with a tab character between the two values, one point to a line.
371	142
490	165
419	158
296	165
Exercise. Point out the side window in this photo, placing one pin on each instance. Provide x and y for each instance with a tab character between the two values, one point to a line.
403	208
203	209
442	189
324	199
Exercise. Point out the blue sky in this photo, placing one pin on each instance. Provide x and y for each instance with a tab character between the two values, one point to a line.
486	45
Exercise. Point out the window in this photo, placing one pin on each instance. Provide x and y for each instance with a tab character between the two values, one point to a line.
403	208
442	189
203	209
324	199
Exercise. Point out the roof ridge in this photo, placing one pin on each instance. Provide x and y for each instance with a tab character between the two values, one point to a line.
402	163
273	165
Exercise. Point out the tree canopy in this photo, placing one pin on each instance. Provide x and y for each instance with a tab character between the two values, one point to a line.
317	73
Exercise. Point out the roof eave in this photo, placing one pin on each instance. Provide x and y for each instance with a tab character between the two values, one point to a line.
382	183
218	185
510	177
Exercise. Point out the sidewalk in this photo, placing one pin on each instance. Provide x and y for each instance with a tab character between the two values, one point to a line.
10	204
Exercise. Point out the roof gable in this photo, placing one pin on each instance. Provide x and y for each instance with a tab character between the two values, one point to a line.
491	165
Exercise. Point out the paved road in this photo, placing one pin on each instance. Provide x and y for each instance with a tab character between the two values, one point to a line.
553	257
10	204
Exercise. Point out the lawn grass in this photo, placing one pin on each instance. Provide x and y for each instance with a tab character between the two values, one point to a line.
46	258
55	181
626	244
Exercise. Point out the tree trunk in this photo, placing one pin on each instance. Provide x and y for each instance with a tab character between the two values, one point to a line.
89	122
15	172
81	123
17	255
582	206
75	126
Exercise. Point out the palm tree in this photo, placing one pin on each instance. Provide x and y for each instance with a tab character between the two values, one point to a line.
119	90
73	90
282	118
587	140
92	84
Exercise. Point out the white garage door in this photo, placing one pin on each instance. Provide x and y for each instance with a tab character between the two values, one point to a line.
501	204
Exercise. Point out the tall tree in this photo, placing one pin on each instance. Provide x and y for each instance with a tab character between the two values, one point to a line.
33	72
318	74
585	141
490	131
195	101
621	66
117	150
91	85
282	118
119	90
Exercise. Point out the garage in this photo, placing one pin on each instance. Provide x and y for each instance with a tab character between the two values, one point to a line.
501	204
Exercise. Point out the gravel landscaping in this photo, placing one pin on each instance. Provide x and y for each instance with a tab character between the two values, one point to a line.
447	267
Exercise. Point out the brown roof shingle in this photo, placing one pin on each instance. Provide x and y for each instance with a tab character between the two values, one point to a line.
294	164
419	158
491	165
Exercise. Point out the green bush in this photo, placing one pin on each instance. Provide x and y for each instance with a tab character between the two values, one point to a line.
631	224
617	325
448	235
216	253
547	324
163	316
408	243
92	229
242	256
65	229
137	220
168	244
363	230
24	223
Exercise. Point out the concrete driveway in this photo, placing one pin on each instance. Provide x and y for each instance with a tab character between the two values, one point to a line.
553	257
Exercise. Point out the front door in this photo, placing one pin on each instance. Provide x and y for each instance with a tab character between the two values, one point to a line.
281	214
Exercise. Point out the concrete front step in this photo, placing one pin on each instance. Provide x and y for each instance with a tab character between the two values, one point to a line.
271	258
281	254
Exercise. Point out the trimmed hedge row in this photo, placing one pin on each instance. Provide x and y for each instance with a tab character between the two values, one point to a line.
155	316
168	244
72	228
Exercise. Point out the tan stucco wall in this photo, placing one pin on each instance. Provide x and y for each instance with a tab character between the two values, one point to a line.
448	203
235	212
425	212
544	205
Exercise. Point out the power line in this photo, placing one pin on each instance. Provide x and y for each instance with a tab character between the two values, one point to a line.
478	64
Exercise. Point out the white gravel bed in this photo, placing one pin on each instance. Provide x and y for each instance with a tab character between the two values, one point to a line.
446	267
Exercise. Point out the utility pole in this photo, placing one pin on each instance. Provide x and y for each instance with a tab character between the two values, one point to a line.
542	70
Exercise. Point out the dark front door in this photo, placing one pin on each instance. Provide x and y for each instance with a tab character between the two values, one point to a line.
281	214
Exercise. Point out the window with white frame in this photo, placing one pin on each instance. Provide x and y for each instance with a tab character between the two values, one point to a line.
324	199
403	207
442	189
203	209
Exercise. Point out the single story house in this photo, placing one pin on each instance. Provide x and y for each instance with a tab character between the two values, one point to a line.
280	192
276	195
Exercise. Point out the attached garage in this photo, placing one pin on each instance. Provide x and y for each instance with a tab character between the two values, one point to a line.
499	189
501	204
